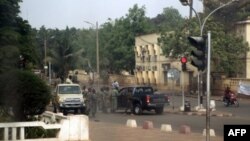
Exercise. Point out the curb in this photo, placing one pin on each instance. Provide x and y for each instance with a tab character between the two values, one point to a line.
195	113
183	129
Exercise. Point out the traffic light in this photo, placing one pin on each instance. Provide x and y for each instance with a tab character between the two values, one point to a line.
198	55
183	63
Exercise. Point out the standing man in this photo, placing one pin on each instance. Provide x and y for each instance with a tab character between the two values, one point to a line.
93	102
114	95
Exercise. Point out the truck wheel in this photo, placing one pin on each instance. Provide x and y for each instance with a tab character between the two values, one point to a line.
82	110
159	110
75	111
65	112
137	110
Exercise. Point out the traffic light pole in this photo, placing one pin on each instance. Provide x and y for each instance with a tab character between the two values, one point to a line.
208	87
183	98
195	43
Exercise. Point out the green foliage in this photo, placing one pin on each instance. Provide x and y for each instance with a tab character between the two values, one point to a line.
39	132
25	93
63	49
15	37
228	49
118	39
173	36
230	14
169	20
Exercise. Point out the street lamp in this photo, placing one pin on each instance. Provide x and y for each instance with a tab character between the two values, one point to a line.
190	4
97	45
184	2
45	55
97	50
45	58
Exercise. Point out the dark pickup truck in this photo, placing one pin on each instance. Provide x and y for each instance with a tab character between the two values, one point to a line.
140	98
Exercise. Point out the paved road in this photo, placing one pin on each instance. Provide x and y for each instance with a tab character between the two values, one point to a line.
176	118
106	126
103	131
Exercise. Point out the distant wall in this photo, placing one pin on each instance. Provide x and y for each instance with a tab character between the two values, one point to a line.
218	86
124	80
87	79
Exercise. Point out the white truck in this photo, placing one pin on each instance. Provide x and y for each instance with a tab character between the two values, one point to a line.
69	98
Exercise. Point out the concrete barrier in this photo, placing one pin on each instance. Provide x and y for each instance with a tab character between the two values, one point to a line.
166	128
212	132
212	105
51	118
184	129
148	125
131	123
75	128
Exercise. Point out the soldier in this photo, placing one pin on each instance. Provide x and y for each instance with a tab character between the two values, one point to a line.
129	105
106	99
99	99
114	95
93	102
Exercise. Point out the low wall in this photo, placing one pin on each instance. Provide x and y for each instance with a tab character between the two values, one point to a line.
72	127
218	86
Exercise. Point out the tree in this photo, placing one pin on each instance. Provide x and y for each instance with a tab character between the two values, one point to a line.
86	40
65	55
25	93
169	20
230	14
8	36
228	49
173	33
15	36
121	40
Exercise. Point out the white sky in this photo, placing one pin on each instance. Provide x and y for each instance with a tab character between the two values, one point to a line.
73	13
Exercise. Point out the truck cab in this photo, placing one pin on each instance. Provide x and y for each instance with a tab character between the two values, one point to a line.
69	97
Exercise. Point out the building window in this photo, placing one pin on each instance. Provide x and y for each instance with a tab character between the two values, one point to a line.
165	67
155	58
143	68
154	68
148	58
149	68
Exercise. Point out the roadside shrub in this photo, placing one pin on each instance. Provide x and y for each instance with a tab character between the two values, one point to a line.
24	94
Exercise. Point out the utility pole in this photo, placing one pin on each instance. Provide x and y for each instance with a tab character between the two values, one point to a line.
45	57
191	9
97	51
97	55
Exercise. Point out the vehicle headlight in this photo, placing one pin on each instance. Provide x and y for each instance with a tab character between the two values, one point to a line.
61	100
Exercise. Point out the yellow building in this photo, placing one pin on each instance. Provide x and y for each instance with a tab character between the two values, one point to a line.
243	29
152	67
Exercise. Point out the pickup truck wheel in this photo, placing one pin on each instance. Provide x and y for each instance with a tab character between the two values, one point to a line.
65	112
159	111
75	111
137	109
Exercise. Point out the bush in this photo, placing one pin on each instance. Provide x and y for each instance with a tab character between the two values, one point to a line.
25	93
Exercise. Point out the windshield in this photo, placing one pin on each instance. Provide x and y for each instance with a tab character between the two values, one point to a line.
144	90
69	90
